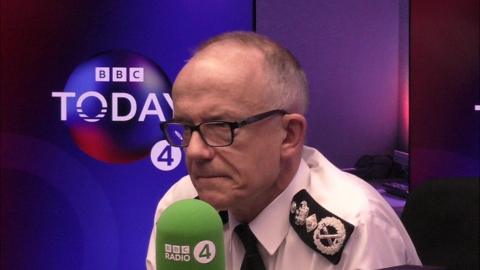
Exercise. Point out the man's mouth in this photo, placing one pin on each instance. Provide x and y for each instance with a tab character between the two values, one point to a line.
209	176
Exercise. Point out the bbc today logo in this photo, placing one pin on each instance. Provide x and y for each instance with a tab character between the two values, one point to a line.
113	104
151	104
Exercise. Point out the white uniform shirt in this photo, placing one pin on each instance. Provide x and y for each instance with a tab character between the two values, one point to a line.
379	239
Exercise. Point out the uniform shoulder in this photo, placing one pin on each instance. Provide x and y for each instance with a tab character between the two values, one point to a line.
318	228
342	193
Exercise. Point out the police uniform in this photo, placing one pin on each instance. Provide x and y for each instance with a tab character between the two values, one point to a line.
324	219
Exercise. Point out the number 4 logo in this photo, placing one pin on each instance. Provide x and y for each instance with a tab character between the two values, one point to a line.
204	251
164	156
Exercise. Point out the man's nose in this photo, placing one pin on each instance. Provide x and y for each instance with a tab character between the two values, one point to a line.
197	149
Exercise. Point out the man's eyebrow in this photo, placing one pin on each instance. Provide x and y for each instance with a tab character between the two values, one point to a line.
180	119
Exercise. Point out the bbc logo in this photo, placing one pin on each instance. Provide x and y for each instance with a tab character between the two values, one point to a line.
119	74
177	249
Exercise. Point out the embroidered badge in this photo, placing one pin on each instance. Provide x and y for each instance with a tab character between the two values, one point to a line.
293	207
301	213
311	223
327	236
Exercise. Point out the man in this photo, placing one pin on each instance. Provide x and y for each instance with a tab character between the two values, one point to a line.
239	107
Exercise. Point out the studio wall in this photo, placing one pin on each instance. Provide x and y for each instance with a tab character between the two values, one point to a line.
355	54
445	90
63	205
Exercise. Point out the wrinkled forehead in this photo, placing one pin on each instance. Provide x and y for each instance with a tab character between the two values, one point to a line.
220	72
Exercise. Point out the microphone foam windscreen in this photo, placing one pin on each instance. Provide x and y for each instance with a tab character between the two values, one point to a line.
190	237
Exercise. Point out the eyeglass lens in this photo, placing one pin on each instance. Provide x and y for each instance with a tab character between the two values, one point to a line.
213	133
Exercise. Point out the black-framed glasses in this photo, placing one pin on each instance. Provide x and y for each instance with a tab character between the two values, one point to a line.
213	133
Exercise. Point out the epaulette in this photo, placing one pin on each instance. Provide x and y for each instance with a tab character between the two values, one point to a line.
320	229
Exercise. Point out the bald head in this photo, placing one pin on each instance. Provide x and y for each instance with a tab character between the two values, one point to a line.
285	83
221	74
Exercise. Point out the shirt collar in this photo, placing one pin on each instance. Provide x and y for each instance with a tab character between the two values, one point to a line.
271	225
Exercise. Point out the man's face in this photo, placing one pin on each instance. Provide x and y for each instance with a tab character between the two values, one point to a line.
227	83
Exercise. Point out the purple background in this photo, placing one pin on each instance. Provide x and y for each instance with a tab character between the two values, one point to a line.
61	209
355	54
445	87
365	91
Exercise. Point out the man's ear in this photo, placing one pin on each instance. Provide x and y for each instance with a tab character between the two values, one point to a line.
295	126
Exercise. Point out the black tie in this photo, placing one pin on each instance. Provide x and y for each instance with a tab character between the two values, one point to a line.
252	259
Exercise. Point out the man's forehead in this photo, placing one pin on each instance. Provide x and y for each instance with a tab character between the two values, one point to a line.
221	80
218	58
198	115
221	67
197	105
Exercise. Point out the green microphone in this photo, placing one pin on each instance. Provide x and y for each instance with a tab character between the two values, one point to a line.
190	237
